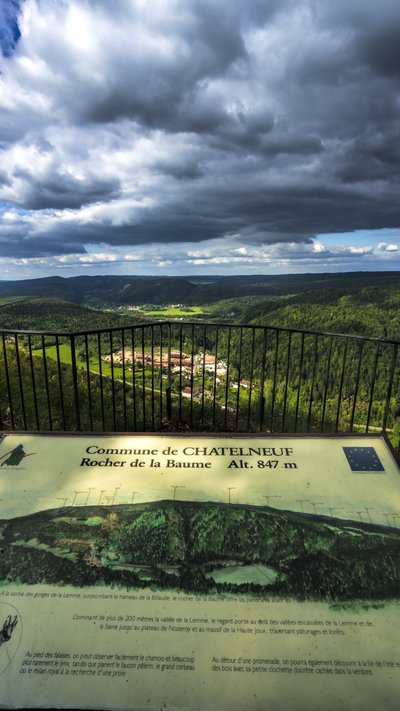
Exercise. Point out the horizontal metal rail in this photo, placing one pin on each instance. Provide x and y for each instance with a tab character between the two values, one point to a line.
199	376
199	324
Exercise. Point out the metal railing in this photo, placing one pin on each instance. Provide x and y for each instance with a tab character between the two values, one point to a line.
199	376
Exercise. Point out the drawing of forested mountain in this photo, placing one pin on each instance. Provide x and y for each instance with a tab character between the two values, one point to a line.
203	547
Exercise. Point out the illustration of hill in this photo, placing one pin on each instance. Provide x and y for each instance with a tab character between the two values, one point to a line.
203	547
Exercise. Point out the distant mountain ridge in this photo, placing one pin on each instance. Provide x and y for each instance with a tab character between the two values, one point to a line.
135	290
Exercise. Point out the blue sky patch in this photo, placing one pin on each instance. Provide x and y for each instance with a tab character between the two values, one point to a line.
9	28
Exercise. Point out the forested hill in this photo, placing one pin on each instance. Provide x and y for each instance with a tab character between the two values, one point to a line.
23	313
95	290
372	311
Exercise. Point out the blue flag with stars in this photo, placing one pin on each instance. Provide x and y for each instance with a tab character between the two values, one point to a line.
363	459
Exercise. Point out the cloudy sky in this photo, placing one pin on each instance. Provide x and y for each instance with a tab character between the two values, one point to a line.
199	136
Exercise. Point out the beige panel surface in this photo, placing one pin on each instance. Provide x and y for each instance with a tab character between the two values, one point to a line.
120	647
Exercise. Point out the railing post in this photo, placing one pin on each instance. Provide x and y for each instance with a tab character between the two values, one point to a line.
10	408
46	382
169	378
353	411
261	412
21	387
60	382
274	379
169	403
75	383
262	381
339	406
296	416
390	386
143	382
239	377
113	382
228	362
286	382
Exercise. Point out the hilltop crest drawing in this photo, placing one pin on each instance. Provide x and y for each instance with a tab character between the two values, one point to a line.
203	547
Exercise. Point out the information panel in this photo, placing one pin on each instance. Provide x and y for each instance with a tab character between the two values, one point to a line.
199	573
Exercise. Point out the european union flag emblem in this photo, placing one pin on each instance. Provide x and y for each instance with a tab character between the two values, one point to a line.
363	459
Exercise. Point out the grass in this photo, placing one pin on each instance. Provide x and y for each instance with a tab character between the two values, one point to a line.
51	352
65	357
187	312
239	575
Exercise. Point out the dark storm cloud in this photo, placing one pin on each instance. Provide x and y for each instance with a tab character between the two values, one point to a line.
153	86
376	155
381	49
59	190
375	31
200	120
13	246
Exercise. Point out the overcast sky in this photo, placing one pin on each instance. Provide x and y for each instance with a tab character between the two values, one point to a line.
199	136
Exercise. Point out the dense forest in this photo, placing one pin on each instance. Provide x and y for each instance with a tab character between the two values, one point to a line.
370	311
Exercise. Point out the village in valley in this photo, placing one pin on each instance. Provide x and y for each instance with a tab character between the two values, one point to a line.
189	368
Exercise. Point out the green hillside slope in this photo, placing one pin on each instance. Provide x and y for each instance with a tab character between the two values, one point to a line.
49	314
372	311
